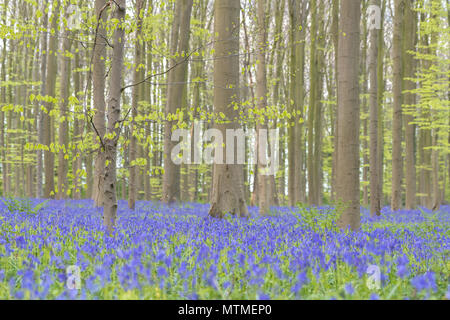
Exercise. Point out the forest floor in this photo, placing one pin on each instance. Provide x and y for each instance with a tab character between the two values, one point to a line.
160	252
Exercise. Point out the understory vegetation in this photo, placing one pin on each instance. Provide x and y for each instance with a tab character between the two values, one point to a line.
179	252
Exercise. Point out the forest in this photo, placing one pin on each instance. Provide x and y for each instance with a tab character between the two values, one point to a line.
224	149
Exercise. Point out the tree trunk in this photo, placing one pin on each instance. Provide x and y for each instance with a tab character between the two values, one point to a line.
279	17
335	34
373	116
33	114
2	120
76	161
299	97
264	202
297	15
113	129
48	126
176	78
137	76
409	101
40	116
365	124
148	125
436	188
227	192
312	103
380	100
63	155
396	193
197	73
320	66
348	103
98	81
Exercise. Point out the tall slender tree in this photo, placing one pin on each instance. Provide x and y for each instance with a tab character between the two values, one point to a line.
409	62
335	35
396	194
40	113
179	45
63	155
113	129
313	83
227	194
50	84
98	82
137	76
373	112
347	179
261	97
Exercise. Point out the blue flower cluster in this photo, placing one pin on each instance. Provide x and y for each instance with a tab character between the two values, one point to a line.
179	252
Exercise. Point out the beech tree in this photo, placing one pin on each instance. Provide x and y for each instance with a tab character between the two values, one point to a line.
47	123
98	81
347	179
396	194
179	44
227	194
113	129
375	201
137	76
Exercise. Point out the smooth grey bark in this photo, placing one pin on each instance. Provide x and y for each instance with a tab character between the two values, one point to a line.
299	97
63	163
297	13
40	115
5	187
113	129
318	116
176	78
76	161
373	117
312	103
280	53
347	179
48	125
264	199
397	161
380	99
98	82
335	36
365	109
148	126
137	76
227	192
409	101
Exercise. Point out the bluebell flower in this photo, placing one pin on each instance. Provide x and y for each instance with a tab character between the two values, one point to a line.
403	260
349	289
263	296
193	296
21	242
162	272
302	278
226	284
295	289
72	294
402	271
424	282
419	282
241	259
19	295
374	296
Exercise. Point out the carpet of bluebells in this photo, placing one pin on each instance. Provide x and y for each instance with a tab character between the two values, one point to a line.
178	252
